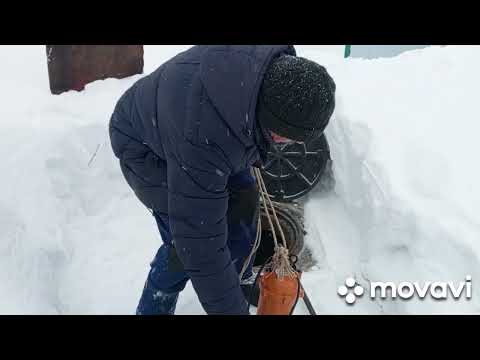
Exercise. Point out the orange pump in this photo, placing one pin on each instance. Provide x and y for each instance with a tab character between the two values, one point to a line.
278	296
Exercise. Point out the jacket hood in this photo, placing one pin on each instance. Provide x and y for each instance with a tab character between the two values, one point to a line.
232	76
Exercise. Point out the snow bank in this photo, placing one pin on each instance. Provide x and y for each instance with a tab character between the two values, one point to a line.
404	144
74	239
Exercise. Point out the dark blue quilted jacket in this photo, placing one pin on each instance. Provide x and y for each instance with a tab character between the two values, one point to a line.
196	113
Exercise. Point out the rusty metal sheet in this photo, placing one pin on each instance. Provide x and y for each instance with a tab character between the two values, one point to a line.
71	67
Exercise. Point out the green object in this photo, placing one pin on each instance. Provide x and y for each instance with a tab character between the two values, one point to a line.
348	49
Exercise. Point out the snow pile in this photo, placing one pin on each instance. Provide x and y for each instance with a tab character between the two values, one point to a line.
74	239
404	143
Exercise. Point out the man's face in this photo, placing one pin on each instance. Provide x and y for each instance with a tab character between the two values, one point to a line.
280	139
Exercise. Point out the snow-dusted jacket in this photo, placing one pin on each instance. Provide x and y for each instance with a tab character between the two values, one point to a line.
196	113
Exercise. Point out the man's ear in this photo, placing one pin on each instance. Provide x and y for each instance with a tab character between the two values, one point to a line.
279	138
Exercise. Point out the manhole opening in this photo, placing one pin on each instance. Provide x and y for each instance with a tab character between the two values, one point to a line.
291	222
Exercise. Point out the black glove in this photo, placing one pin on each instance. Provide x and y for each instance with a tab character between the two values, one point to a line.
243	205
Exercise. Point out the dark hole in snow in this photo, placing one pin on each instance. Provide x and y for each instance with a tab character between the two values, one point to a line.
290	217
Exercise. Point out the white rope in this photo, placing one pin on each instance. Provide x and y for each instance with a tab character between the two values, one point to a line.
267	212
265	195
280	261
255	247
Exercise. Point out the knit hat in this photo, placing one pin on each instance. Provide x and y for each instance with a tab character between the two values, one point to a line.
296	98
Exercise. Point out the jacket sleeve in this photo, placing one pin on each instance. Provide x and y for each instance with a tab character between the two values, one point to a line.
197	203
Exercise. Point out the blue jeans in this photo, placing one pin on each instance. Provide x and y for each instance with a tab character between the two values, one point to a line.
163	285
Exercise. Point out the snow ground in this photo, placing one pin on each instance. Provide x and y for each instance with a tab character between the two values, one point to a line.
74	239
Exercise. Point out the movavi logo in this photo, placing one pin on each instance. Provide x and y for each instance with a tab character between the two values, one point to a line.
437	290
